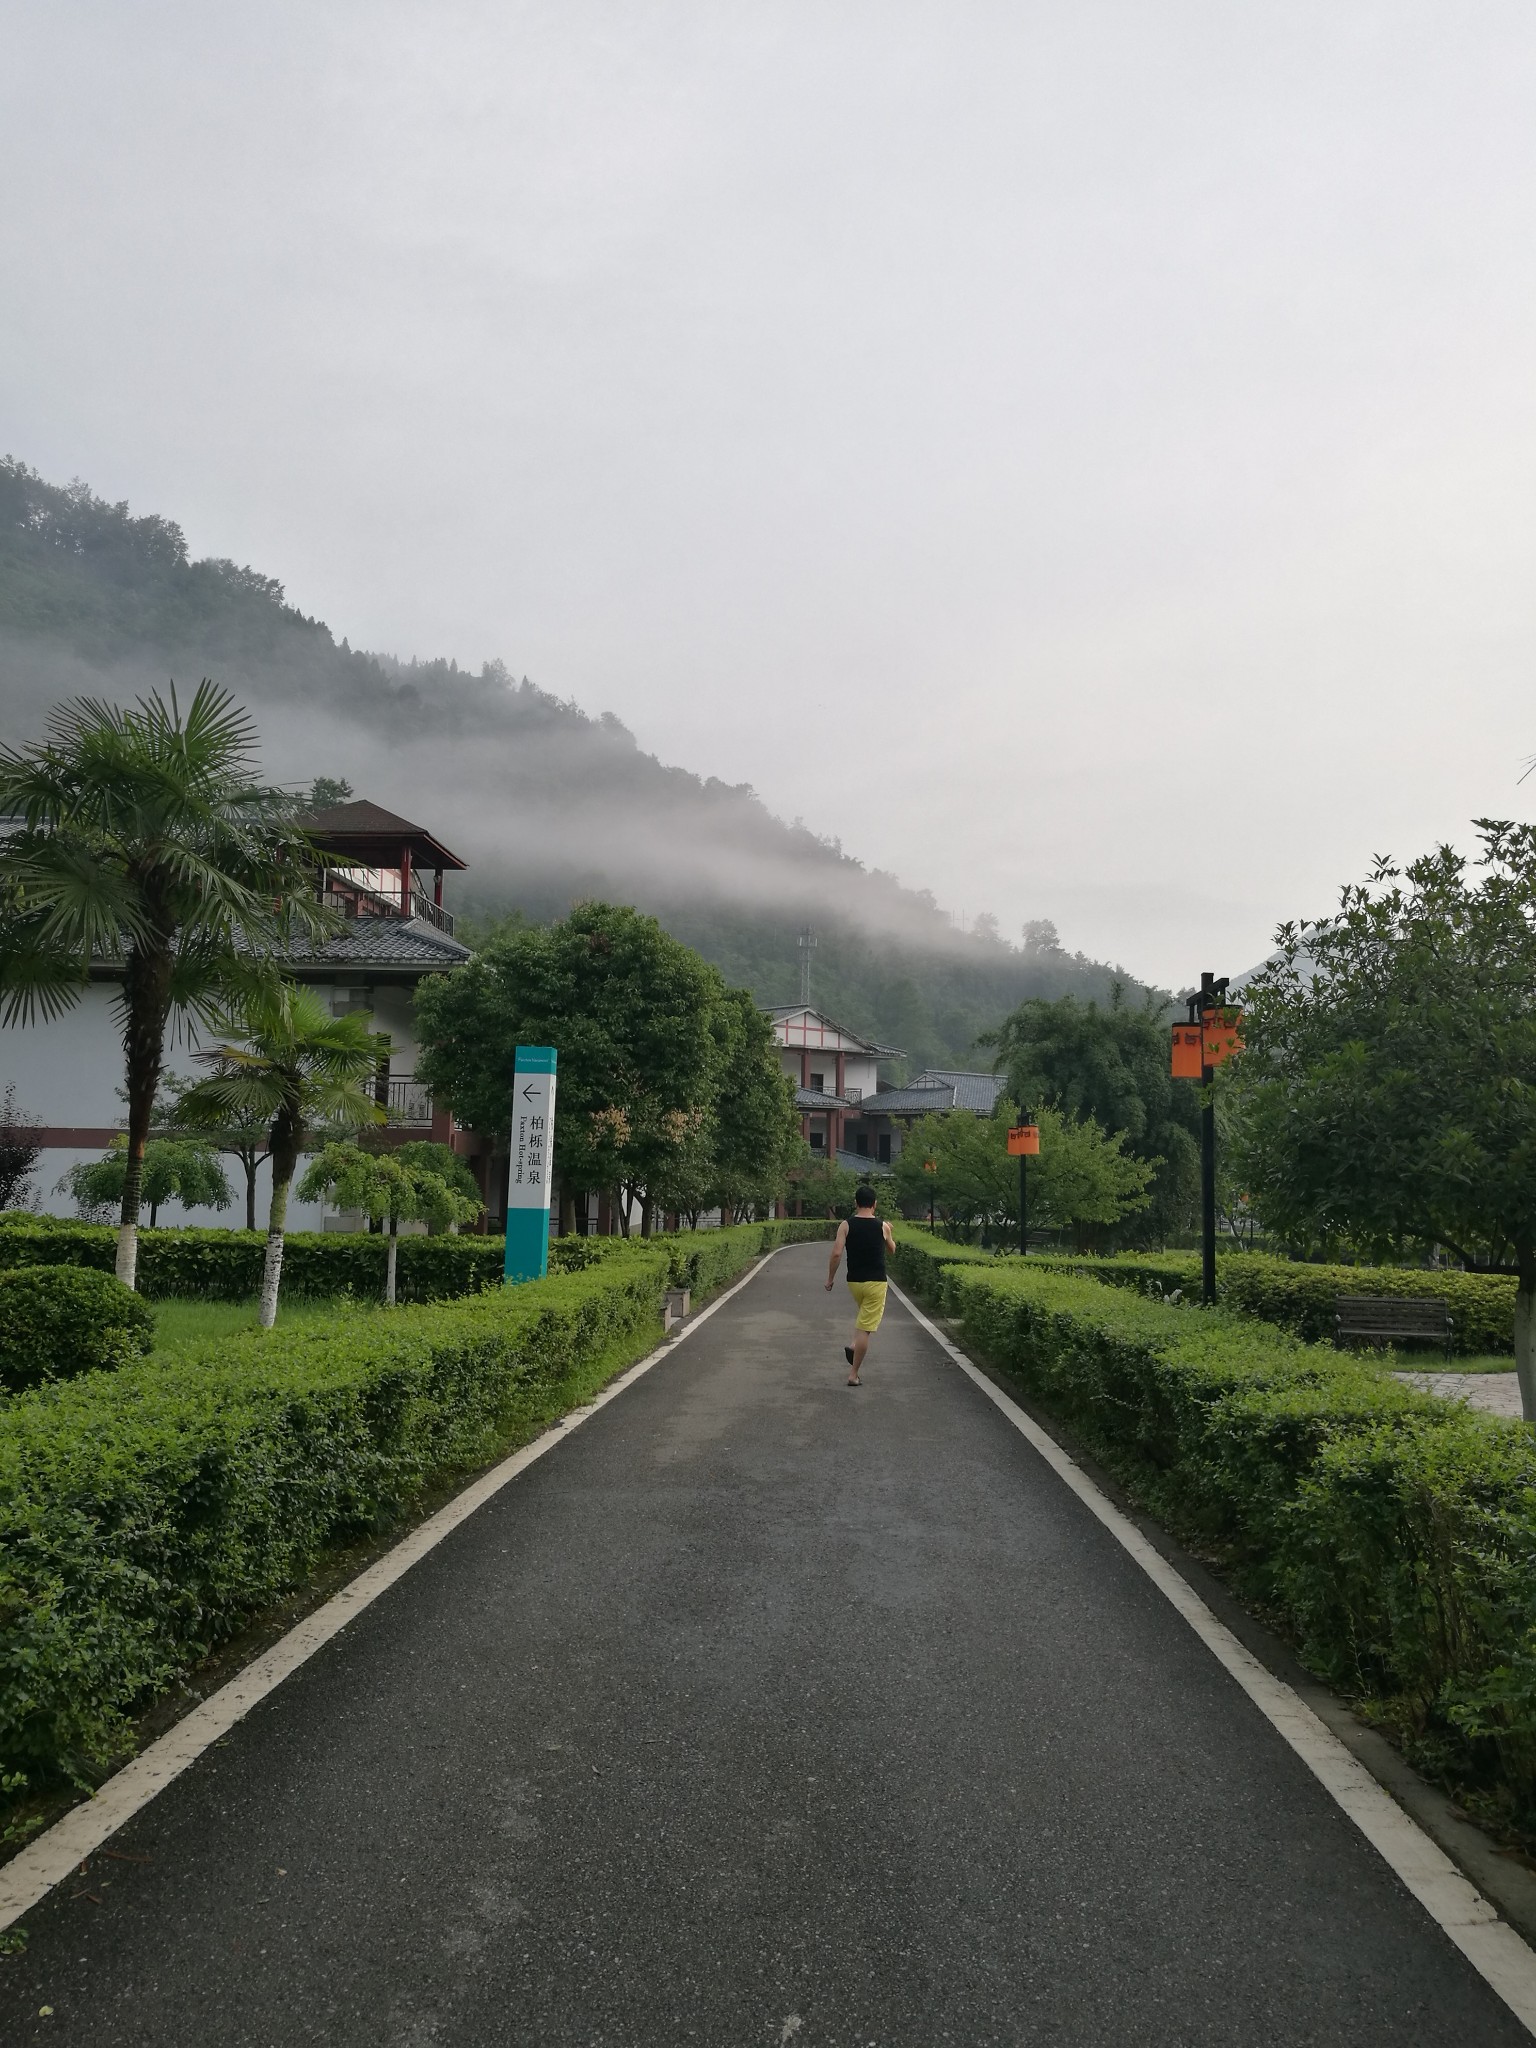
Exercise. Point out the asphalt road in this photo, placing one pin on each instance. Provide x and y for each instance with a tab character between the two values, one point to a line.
768	1711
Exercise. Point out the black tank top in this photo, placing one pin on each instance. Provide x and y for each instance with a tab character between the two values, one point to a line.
866	1248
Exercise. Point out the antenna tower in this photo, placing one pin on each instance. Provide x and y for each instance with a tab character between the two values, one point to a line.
807	948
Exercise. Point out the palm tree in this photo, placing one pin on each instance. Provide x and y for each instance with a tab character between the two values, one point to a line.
300	1067
140	838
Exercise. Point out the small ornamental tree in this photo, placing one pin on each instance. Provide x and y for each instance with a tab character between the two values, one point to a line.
242	1134
1388	1086
180	1170
1081	1177
300	1067
388	1188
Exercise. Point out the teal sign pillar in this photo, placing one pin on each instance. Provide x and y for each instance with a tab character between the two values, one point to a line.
529	1170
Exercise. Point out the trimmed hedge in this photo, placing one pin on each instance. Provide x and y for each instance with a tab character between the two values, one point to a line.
225	1265
1393	1534
1301	1298
147	1515
59	1321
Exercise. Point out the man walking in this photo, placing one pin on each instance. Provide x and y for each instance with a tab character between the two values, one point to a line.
866	1238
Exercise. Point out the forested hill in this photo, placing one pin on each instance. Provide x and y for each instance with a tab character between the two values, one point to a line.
546	802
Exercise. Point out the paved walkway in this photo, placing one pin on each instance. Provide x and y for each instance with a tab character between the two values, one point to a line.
761	1711
1497	1392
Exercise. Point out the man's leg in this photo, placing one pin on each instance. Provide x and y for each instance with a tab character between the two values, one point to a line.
860	1346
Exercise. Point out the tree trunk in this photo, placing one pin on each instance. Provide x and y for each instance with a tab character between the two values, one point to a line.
147	1000
1525	1328
272	1266
567	1213
284	1154
389	1260
647	1218
154	1215
621	1203
250	1166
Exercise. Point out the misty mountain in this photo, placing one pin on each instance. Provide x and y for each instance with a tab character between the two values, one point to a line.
547	802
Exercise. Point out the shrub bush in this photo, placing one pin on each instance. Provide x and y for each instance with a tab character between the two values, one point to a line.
1302	1298
225	1265
1394	1534
58	1321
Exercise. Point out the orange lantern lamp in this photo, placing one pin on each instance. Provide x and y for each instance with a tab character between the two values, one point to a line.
1024	1141
1188	1052
1221	1035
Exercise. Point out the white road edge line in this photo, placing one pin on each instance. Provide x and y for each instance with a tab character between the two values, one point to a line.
46	1862
1493	1948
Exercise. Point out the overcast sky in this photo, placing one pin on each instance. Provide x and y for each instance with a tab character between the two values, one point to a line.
1081	455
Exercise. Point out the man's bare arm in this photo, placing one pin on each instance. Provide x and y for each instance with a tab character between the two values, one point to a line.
837	1252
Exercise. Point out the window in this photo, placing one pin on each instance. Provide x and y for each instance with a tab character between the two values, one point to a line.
885	1148
819	1083
861	1143
818	1141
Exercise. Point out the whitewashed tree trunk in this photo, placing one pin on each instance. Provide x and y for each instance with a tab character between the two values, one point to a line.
128	1253
389	1260
1525	1341
272	1266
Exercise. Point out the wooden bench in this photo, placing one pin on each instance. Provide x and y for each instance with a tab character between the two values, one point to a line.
1393	1319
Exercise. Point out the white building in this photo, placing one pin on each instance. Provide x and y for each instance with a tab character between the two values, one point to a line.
833	1070
67	1072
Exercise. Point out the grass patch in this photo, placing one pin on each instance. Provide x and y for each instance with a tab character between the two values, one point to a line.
1408	1361
182	1325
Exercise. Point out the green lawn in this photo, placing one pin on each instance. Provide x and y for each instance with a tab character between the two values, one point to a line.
182	1324
1422	1358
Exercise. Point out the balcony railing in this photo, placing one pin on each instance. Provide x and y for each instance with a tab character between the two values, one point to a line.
434	913
410	1102
376	898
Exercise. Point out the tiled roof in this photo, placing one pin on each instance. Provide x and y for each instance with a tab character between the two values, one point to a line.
913	1101
361	820
859	1162
817	1099
383	942
972	1091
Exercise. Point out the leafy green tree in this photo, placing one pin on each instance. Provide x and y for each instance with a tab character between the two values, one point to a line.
141	836
175	1170
431	1157
300	1067
391	1189
1110	1062
242	1135
754	1134
1081	1177
821	1186
629	1012
1388	1086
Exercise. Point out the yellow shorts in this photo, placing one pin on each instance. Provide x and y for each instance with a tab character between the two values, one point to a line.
870	1296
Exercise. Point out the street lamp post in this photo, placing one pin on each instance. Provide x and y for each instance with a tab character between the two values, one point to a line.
1024	1140
1199	1048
